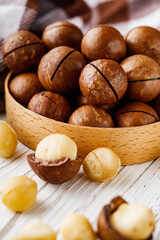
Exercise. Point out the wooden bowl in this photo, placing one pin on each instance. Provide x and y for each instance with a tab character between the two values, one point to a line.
132	144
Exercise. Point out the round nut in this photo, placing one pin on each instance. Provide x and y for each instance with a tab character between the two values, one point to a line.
144	40
134	221
35	229
19	193
102	42
103	82
8	140
55	160
22	51
76	226
135	114
24	86
62	33
60	68
101	164
92	116
107	231
56	146
143	75
51	105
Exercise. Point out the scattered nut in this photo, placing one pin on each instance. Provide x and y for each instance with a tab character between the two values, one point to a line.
8	140
55	159
35	230
122	221
101	164
134	221
76	226
19	193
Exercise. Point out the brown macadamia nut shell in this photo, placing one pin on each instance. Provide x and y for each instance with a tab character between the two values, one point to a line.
143	77
22	51
103	82
62	33
103	42
24	86
157	104
60	68
56	172
51	105
135	114
92	116
144	40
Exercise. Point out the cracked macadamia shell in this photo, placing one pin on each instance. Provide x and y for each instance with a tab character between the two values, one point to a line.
143	75
138	224
101	164
60	68
144	40
55	160
103	82
102	42
135	114
22	51
134	221
62	33
51	105
24	86
92	116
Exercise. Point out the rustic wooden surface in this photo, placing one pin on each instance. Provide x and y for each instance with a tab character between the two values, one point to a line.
129	143
137	183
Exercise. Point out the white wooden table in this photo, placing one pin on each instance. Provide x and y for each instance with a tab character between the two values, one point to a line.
138	183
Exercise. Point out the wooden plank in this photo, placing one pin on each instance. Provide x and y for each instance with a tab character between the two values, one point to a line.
78	195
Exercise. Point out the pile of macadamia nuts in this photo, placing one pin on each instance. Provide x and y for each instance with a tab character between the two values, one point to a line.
113	81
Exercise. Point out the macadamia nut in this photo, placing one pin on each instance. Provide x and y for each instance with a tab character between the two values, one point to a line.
76	226
35	230
56	146
101	164
19	193
133	221
8	140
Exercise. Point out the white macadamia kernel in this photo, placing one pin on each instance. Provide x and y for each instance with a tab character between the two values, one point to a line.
76	227
35	230
133	221
56	146
101	164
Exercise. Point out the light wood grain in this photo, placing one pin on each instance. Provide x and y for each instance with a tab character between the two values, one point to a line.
133	145
137	183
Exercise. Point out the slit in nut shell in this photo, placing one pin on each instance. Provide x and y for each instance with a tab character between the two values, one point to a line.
55	159
132	229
